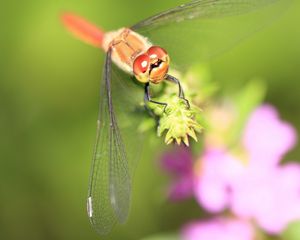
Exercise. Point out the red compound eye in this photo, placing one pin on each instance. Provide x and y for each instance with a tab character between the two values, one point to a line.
156	52
141	64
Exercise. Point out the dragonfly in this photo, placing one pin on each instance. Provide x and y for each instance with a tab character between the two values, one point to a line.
191	32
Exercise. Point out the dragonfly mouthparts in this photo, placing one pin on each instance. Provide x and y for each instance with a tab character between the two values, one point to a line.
156	64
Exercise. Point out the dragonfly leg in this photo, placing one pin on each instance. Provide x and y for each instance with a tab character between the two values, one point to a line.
181	93
147	97
151	113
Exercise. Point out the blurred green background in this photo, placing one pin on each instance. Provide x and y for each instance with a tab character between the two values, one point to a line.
49	105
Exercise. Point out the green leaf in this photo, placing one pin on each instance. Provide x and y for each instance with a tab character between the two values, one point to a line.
292	232
168	236
246	101
199	81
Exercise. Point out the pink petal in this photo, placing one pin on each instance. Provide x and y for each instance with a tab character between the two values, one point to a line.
286	200
178	161
218	229
266	136
212	186
271	197
181	189
211	194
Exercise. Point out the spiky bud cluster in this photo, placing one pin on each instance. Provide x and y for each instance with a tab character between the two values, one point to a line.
177	121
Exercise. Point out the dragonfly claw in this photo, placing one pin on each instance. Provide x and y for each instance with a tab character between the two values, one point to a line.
187	103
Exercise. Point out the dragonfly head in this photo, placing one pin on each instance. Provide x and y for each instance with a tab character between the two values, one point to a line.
151	66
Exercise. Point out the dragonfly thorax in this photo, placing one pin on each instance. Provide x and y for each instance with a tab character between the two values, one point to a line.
136	55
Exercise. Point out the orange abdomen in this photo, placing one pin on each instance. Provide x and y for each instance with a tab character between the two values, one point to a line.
83	29
126	44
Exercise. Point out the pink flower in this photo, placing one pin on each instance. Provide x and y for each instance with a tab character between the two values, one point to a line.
270	197
254	185
218	172
179	163
218	229
267	138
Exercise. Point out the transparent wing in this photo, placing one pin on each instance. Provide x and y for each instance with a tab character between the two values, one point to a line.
201	29
114	156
